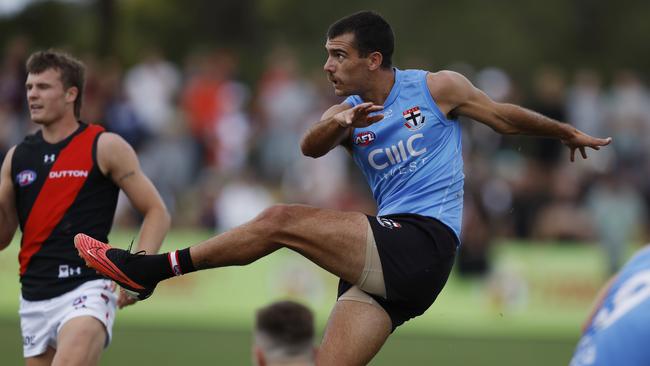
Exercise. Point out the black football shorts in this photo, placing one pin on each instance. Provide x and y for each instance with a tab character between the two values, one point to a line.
417	254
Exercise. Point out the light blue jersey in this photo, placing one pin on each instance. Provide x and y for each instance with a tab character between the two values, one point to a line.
619	333
412	159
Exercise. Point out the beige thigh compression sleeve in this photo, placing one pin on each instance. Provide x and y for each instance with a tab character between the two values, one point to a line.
354	294
372	276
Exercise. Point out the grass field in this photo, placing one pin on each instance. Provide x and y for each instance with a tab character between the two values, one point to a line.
528	312
161	345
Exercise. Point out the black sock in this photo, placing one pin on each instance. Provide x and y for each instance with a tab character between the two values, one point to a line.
178	263
148	270
185	260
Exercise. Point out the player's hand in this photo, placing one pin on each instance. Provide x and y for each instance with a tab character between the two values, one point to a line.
580	140
359	116
125	299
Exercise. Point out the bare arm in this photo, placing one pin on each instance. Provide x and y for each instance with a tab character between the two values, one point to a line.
8	215
457	96
118	161
335	126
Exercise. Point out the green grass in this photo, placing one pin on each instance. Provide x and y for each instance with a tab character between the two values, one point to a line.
163	345
527	313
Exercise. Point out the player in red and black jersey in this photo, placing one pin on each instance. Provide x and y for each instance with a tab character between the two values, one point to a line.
59	181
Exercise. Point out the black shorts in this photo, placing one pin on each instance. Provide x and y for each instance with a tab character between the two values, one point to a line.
417	253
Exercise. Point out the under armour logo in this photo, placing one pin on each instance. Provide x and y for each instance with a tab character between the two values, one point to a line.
66	271
48	158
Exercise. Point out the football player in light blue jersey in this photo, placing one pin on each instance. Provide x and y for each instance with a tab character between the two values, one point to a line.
618	329
401	129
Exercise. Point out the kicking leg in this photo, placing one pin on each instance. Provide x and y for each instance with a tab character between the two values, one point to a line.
334	240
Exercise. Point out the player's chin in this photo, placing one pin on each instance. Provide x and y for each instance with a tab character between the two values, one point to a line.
39	120
44	120
340	92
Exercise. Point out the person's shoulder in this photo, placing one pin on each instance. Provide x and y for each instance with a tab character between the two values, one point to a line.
113	149
31	144
33	138
9	155
112	143
446	78
410	75
111	138
448	85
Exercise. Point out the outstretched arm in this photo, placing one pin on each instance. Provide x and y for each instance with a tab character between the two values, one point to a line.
336	125
8	215
457	96
118	161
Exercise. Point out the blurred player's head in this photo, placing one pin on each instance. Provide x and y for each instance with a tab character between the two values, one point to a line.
357	45
55	83
283	335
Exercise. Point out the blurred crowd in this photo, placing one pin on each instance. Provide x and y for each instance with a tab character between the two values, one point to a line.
220	149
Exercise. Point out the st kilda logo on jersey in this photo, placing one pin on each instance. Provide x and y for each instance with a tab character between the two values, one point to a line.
388	223
414	118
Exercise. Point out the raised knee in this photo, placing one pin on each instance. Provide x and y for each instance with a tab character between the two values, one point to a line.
273	220
274	214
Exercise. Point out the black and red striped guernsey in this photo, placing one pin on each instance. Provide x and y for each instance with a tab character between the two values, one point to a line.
60	191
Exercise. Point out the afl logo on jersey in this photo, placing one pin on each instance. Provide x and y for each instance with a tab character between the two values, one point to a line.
414	118
26	177
364	138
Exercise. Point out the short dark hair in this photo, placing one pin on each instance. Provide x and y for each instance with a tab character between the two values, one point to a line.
73	71
286	327
372	33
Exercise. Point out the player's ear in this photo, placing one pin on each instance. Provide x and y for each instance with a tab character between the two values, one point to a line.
71	94
374	60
